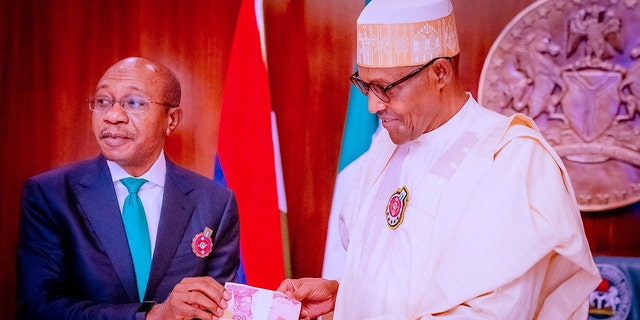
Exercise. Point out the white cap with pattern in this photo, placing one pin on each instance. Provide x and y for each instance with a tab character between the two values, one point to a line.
397	33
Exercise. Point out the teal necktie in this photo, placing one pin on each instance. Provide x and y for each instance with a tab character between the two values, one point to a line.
135	224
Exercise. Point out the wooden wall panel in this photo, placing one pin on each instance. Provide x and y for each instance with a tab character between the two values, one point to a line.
479	23
614	232
311	51
53	52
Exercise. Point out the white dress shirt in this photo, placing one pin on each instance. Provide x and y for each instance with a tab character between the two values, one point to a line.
151	193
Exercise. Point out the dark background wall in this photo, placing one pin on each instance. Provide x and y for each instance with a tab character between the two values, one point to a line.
53	52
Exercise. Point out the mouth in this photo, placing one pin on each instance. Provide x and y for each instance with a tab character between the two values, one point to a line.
386	120
114	139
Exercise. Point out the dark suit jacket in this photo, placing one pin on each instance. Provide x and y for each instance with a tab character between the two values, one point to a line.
73	257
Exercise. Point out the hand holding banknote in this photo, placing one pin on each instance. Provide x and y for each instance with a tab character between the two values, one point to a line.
251	303
318	295
200	297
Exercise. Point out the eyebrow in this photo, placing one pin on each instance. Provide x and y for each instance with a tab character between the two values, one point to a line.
128	87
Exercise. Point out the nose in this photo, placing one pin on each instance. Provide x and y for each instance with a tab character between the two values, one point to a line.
116	113
374	104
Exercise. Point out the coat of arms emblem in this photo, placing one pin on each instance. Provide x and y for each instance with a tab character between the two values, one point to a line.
574	67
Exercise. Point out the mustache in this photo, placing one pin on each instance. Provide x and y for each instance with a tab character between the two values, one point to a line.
383	116
115	133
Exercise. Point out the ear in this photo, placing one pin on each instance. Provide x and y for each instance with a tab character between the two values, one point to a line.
444	72
174	117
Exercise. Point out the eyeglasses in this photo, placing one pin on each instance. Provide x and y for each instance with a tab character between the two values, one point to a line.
132	104
380	91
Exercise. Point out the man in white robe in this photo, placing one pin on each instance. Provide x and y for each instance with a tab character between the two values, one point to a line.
458	212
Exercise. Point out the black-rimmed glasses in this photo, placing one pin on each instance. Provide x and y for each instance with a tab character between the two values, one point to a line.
380	91
131	104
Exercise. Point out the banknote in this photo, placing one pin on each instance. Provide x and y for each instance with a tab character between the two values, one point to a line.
251	303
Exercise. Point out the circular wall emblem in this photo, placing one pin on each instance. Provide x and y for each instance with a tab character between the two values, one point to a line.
573	66
612	298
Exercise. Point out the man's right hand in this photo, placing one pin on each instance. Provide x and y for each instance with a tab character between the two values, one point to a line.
318	295
201	298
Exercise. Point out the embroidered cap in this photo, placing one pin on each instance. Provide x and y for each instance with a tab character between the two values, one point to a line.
398	33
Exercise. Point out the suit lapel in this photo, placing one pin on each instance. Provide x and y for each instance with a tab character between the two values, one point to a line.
177	208
97	198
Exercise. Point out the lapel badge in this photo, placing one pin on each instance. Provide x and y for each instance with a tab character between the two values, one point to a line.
396	206
202	244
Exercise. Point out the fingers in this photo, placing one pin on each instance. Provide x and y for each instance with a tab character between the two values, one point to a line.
288	285
207	286
301	288
316	294
200	297
304	314
182	311
171	310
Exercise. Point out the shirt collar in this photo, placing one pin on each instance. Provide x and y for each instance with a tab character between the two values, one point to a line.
449	128
156	174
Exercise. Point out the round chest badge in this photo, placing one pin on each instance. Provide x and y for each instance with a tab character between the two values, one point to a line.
396	206
611	300
202	244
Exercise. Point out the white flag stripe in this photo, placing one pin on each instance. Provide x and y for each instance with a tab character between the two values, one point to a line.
282	198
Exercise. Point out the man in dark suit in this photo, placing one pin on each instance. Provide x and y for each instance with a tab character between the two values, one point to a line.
77	253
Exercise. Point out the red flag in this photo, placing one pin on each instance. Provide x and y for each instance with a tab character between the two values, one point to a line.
245	151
